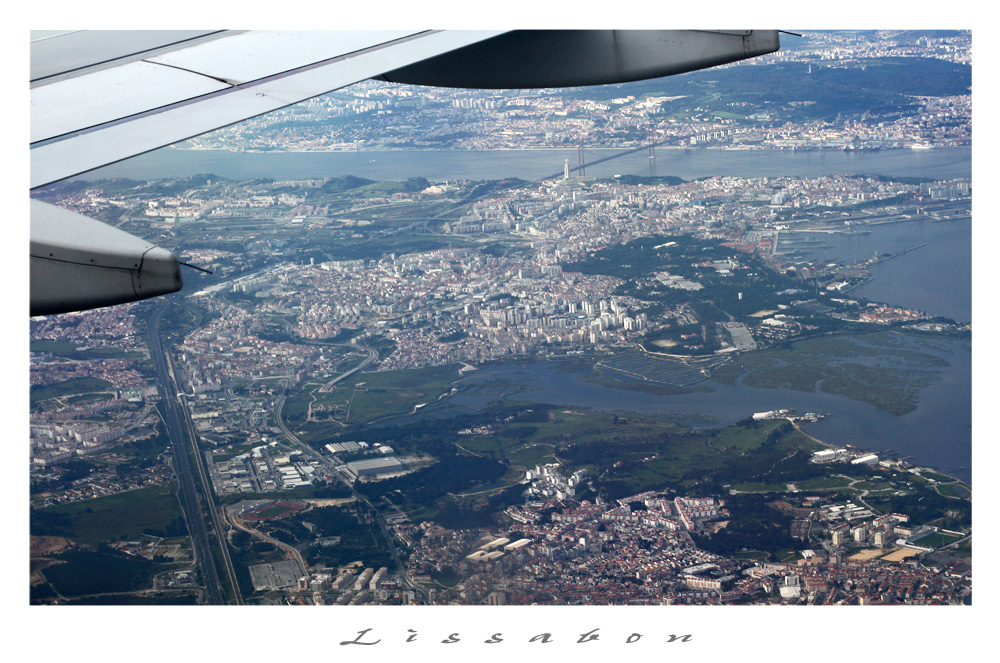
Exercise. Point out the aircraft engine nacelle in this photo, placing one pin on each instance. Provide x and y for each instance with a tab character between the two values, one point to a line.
79	263
561	58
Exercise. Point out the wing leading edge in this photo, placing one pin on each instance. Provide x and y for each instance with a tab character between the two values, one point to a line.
101	97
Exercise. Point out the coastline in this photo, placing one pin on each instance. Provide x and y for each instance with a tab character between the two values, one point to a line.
543	148
532	163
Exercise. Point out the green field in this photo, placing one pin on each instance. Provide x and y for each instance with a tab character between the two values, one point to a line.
152	510
954	490
80	572
752	487
634	460
53	347
68	388
756	555
528	455
824	483
873	485
366	397
537	437
935	540
940	478
69	350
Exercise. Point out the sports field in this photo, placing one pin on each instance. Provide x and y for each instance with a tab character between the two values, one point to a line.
273	510
900	554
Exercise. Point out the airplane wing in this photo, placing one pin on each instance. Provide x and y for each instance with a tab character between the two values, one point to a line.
98	97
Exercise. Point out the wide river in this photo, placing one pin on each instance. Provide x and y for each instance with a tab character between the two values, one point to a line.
439	166
936	279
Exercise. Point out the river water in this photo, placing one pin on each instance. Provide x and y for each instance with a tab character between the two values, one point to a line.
936	434
438	166
935	279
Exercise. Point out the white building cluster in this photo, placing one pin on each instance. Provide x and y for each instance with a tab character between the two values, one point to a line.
841	454
55	443
546	482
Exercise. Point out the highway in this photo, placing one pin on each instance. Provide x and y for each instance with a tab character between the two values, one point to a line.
210	505
372	356
177	432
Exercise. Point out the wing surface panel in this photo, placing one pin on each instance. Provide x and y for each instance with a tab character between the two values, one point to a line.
67	52
252	56
111	94
266	80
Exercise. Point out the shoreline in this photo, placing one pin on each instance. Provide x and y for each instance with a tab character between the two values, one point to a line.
961	482
542	148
